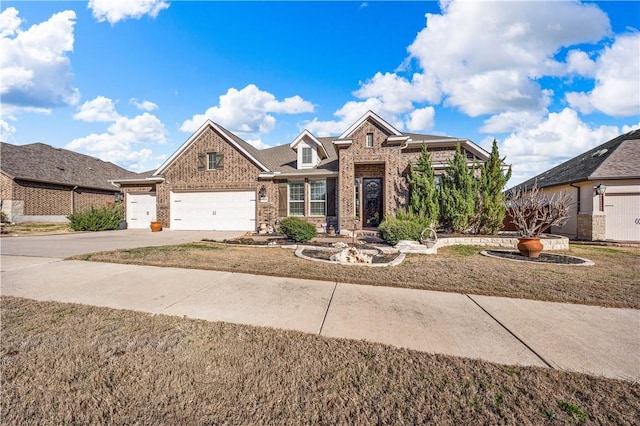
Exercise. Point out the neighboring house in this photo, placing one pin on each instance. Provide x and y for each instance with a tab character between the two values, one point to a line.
45	184
604	183
217	181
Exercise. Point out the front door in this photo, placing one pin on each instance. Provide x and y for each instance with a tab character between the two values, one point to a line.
372	210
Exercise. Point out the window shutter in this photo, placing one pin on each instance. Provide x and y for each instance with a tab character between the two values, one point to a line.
331	197
219	161
202	162
282	199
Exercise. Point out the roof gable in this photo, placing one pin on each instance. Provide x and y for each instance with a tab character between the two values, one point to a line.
39	162
248	150
370	115
308	136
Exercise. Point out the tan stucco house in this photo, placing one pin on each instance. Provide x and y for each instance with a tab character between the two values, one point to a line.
604	184
217	181
40	183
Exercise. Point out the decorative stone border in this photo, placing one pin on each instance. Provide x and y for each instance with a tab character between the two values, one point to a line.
398	260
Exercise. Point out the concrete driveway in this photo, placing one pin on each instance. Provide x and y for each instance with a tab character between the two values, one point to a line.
66	245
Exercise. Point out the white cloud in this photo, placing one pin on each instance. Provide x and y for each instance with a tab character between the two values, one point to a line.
127	141
558	138
396	93
98	109
511	121
486	56
248	111
421	119
617	87
580	63
6	130
391	96
36	71
258	143
9	22
143	105
115	11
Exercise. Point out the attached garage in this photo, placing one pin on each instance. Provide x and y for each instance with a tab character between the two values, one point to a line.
141	210
623	216
219	211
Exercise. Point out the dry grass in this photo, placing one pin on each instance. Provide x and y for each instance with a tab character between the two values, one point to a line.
34	228
75	364
614	280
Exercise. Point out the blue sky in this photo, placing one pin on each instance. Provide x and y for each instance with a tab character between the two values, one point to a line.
129	81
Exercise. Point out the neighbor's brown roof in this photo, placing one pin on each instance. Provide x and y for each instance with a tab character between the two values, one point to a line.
43	163
618	158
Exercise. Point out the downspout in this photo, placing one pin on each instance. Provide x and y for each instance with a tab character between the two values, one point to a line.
73	199
577	198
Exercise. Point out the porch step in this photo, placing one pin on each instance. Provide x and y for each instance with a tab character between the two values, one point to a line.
368	233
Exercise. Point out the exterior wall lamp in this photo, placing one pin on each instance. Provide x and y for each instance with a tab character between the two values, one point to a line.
262	192
600	189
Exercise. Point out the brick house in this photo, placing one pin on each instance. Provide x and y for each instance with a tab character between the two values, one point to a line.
217	181
45	184
604	184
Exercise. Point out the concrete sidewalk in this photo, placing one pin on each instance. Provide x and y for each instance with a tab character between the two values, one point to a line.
594	340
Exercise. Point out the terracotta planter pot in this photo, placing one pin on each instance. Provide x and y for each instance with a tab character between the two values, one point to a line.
156	226
530	247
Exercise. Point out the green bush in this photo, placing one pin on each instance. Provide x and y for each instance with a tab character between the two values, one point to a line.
297	229
3	217
393	230
103	218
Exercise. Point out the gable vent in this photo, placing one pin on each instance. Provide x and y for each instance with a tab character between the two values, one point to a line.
599	152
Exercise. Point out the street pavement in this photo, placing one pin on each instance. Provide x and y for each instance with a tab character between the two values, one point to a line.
588	339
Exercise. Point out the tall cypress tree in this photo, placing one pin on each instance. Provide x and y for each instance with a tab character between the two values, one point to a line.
491	186
459	193
424	196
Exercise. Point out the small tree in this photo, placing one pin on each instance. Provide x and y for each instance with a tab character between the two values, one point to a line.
491	206
532	212
424	196
459	189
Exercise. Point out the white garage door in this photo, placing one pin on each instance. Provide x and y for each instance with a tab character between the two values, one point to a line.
623	216
219	211
141	210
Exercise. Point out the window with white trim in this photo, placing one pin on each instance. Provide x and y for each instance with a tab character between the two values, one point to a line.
369	140
296	198
307	155
318	198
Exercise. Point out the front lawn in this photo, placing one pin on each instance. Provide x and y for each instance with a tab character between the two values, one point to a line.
74	364
614	281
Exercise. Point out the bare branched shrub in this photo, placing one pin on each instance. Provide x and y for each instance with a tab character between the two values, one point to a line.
533	211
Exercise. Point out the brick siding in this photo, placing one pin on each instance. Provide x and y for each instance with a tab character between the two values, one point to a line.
43	199
238	173
383	160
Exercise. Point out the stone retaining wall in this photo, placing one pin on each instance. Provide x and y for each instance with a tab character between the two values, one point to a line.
553	242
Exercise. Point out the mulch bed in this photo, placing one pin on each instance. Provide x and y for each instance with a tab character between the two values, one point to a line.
544	257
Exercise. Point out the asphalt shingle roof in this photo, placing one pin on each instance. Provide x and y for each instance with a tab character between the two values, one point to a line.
618	158
282	158
43	163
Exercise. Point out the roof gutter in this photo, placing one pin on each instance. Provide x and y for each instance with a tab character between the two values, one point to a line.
139	181
277	175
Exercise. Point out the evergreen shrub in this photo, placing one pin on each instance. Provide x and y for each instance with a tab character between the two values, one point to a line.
101	218
297	229
393	229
